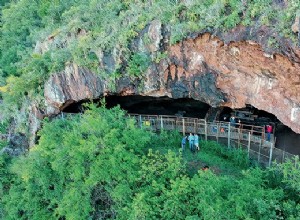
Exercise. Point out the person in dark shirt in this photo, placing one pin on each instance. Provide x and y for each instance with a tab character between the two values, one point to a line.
183	142
232	121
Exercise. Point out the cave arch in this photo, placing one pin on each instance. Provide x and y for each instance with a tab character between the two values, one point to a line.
148	105
285	138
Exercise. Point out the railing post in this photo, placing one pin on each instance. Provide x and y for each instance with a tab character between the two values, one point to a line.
283	154
229	128
205	130
218	132
194	126
183	127
239	136
140	120
161	123
263	134
174	125
260	143
249	142
271	154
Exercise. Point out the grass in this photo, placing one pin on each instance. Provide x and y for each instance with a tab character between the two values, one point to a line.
220	159
219	165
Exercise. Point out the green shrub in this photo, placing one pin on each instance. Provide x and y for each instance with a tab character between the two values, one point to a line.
138	64
99	164
160	56
237	156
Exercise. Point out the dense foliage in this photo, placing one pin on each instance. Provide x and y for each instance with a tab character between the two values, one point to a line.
100	166
81	30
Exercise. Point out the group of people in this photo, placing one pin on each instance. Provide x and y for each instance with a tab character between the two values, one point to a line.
193	140
233	123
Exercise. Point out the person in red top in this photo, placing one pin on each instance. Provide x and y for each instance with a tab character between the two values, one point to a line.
269	131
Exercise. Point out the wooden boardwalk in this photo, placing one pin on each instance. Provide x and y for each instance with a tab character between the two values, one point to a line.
250	137
217	129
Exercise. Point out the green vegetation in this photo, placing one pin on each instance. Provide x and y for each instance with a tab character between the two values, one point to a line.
81	30
138	64
100	166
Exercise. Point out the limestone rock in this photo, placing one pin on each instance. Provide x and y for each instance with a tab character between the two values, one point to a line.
109	61
246	77
155	35
206	68
71	85
35	118
17	145
149	39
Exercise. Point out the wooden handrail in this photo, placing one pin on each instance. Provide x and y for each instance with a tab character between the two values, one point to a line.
240	133
218	129
196	122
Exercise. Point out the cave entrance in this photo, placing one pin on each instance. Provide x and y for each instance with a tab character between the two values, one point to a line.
149	105
75	107
249	115
159	105
285	138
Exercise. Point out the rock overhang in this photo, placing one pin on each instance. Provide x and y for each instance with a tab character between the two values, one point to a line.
205	69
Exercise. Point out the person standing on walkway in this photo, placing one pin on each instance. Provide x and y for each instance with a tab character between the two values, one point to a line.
232	121
183	142
191	141
196	140
269	131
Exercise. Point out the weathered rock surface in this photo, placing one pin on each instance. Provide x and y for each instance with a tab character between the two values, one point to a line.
72	85
17	145
245	74
150	38
35	117
206	68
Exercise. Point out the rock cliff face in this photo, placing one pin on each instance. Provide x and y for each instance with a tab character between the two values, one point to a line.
72	85
203	68
245	74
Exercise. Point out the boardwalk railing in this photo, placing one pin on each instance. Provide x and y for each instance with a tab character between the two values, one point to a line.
216	129
250	137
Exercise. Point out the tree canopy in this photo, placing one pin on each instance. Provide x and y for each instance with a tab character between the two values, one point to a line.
100	166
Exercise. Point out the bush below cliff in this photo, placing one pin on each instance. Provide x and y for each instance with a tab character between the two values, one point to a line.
99	166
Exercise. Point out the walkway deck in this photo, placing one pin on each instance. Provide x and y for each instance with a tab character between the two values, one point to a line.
250	137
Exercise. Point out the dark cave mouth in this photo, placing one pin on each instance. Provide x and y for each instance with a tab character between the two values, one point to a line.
188	107
148	105
249	115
